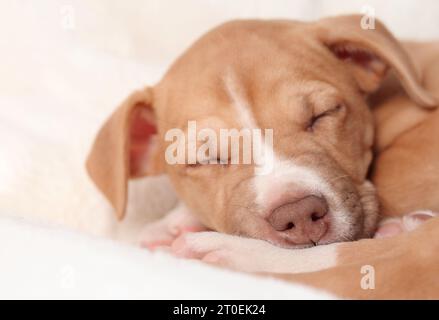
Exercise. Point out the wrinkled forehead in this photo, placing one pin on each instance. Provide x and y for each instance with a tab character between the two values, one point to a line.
255	54
232	75
232	100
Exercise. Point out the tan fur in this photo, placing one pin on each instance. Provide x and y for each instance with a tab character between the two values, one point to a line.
405	267
407	163
406	177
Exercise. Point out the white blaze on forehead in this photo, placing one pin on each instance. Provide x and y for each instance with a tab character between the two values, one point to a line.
238	99
261	150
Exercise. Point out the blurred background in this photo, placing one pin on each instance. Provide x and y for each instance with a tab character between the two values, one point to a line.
149	34
65	65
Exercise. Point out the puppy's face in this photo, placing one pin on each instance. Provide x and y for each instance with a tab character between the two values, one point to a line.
307	83
310	187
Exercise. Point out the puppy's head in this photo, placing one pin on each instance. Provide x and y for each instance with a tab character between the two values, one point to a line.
308	84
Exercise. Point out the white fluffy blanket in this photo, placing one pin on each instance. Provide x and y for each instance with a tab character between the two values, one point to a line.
54	263
64	67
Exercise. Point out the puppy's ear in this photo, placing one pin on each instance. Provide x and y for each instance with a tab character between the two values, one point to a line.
369	53
125	147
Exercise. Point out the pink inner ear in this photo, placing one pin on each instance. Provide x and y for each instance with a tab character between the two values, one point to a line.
360	57
141	130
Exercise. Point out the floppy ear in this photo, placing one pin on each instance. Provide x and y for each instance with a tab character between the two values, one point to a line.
126	146
369	53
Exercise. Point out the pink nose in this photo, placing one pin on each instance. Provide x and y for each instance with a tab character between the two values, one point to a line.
303	221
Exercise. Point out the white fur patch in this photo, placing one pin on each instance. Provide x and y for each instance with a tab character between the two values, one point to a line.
252	255
239	101
285	174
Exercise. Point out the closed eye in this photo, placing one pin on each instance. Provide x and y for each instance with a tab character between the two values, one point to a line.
316	118
218	161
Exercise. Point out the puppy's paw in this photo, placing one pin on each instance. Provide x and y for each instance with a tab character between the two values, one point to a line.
162	233
224	250
252	255
393	226
389	227
414	219
202	245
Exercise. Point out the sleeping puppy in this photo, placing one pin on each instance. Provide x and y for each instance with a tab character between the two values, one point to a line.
307	82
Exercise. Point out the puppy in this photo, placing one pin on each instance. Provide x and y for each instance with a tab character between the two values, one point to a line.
311	84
